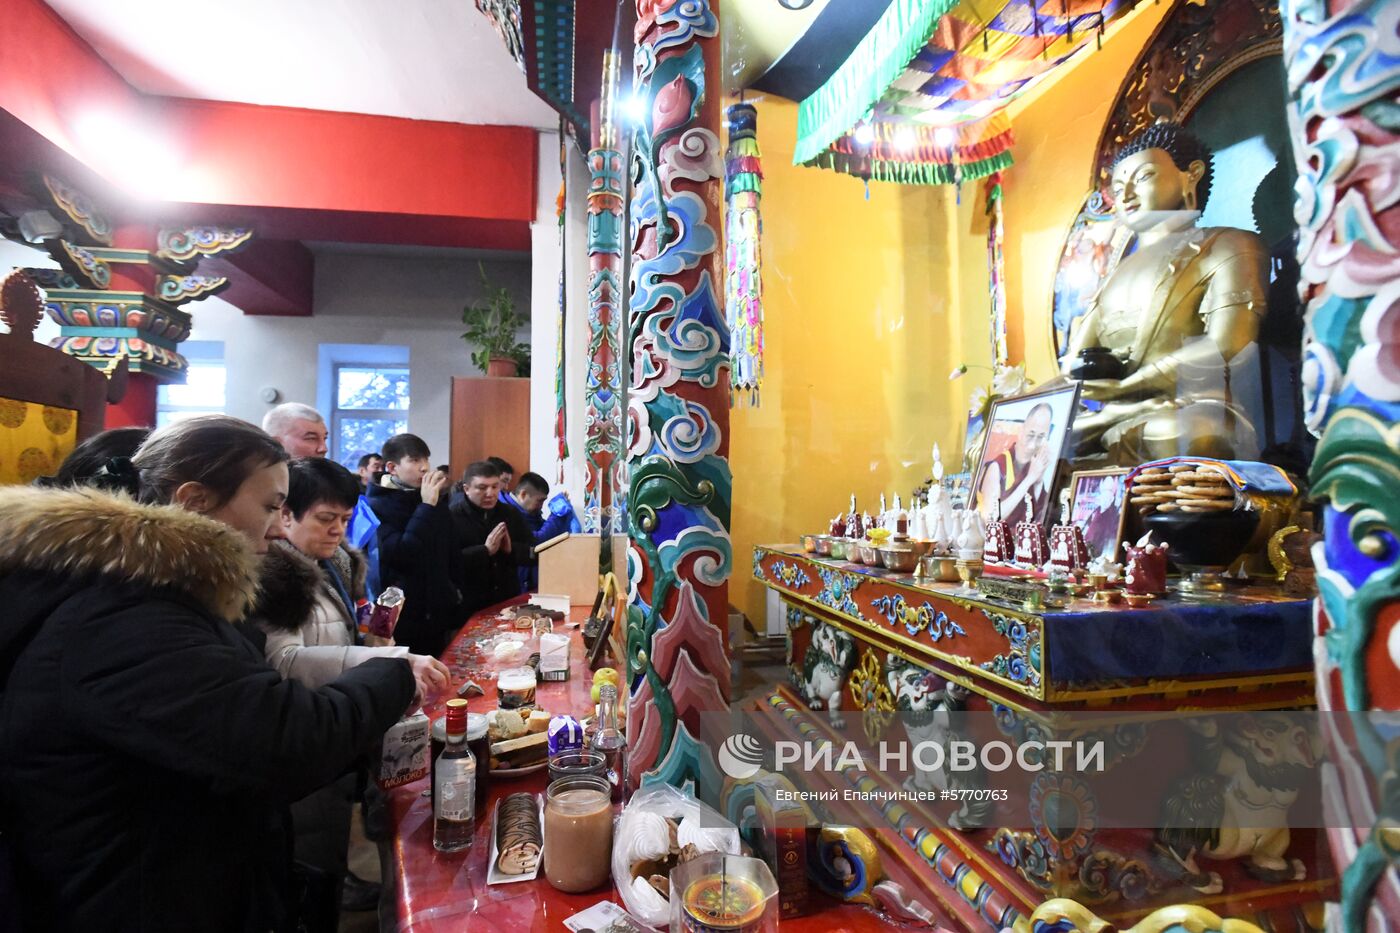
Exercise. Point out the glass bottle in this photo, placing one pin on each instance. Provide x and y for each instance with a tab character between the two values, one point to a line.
454	787
611	742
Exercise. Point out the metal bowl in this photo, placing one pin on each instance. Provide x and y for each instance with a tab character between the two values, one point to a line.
920	546
824	545
809	544
870	554
899	559
853	552
940	567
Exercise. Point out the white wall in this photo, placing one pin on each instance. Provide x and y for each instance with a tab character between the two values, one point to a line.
362	299
544	448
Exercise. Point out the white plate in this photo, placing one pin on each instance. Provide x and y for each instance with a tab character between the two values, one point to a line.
520	772
493	874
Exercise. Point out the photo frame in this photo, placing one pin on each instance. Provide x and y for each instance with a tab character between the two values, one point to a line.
1022	461
1098	505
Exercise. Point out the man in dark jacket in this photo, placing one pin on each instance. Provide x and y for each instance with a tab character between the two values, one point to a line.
491	538
416	550
147	751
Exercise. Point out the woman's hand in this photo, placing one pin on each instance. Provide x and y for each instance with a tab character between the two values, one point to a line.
431	675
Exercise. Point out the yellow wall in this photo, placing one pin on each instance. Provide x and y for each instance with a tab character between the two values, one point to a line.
868	305
1057	131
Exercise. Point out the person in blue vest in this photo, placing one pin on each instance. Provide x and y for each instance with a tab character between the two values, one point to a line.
544	524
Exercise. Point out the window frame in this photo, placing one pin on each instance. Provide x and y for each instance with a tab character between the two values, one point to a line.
362	414
202	353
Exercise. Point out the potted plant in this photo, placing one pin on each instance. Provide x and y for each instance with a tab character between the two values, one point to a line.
491	327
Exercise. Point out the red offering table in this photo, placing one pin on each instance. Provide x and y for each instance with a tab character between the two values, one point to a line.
441	892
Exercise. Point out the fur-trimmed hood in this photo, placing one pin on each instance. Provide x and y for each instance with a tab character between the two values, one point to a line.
289	581
84	532
287	586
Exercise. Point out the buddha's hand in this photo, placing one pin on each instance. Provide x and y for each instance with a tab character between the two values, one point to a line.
1104	390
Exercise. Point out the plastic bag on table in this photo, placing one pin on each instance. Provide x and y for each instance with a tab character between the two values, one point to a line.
644	835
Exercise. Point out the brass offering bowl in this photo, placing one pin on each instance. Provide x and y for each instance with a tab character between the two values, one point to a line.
824	545
869	554
853	553
899	558
809	544
920	546
838	548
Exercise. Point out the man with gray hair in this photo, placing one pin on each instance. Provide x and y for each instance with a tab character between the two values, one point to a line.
300	428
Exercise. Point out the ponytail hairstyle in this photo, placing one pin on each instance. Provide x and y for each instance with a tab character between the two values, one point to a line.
216	451
103	461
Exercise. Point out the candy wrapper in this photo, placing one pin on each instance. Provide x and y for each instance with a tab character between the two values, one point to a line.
404	756
385	614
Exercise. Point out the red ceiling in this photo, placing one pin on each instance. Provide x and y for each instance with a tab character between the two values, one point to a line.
290	174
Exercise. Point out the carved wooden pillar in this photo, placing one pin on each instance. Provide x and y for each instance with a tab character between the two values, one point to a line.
1344	88
678	503
603	395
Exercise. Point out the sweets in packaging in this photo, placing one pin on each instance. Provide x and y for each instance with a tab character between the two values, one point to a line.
385	614
404	756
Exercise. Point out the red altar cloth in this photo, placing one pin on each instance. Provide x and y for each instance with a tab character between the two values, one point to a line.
438	892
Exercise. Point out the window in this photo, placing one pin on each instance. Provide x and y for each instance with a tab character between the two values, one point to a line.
204	388
371	406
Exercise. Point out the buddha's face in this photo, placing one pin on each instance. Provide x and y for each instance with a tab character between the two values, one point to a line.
1147	187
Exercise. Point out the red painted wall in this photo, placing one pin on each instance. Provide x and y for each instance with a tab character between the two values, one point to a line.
138	407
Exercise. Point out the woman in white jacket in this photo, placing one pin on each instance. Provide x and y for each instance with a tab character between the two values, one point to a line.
310	585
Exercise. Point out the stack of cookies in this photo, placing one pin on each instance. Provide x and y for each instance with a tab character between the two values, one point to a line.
1185	487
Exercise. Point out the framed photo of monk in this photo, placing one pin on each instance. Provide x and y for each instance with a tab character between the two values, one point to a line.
1097	505
1023	453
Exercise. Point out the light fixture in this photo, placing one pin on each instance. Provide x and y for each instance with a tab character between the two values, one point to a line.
864	134
129	150
904	139
634	109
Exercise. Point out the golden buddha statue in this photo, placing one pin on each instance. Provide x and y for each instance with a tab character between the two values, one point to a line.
1180	315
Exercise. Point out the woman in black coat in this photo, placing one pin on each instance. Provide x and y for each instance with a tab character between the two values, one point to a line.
147	752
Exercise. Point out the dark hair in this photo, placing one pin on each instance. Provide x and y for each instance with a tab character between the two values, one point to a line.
534	481
366	458
405	446
216	450
480	468
102	461
501	465
313	480
1181	145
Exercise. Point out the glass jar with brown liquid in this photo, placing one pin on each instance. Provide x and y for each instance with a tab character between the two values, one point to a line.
578	832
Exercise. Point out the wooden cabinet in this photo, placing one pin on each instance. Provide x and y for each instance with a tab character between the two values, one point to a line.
490	418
